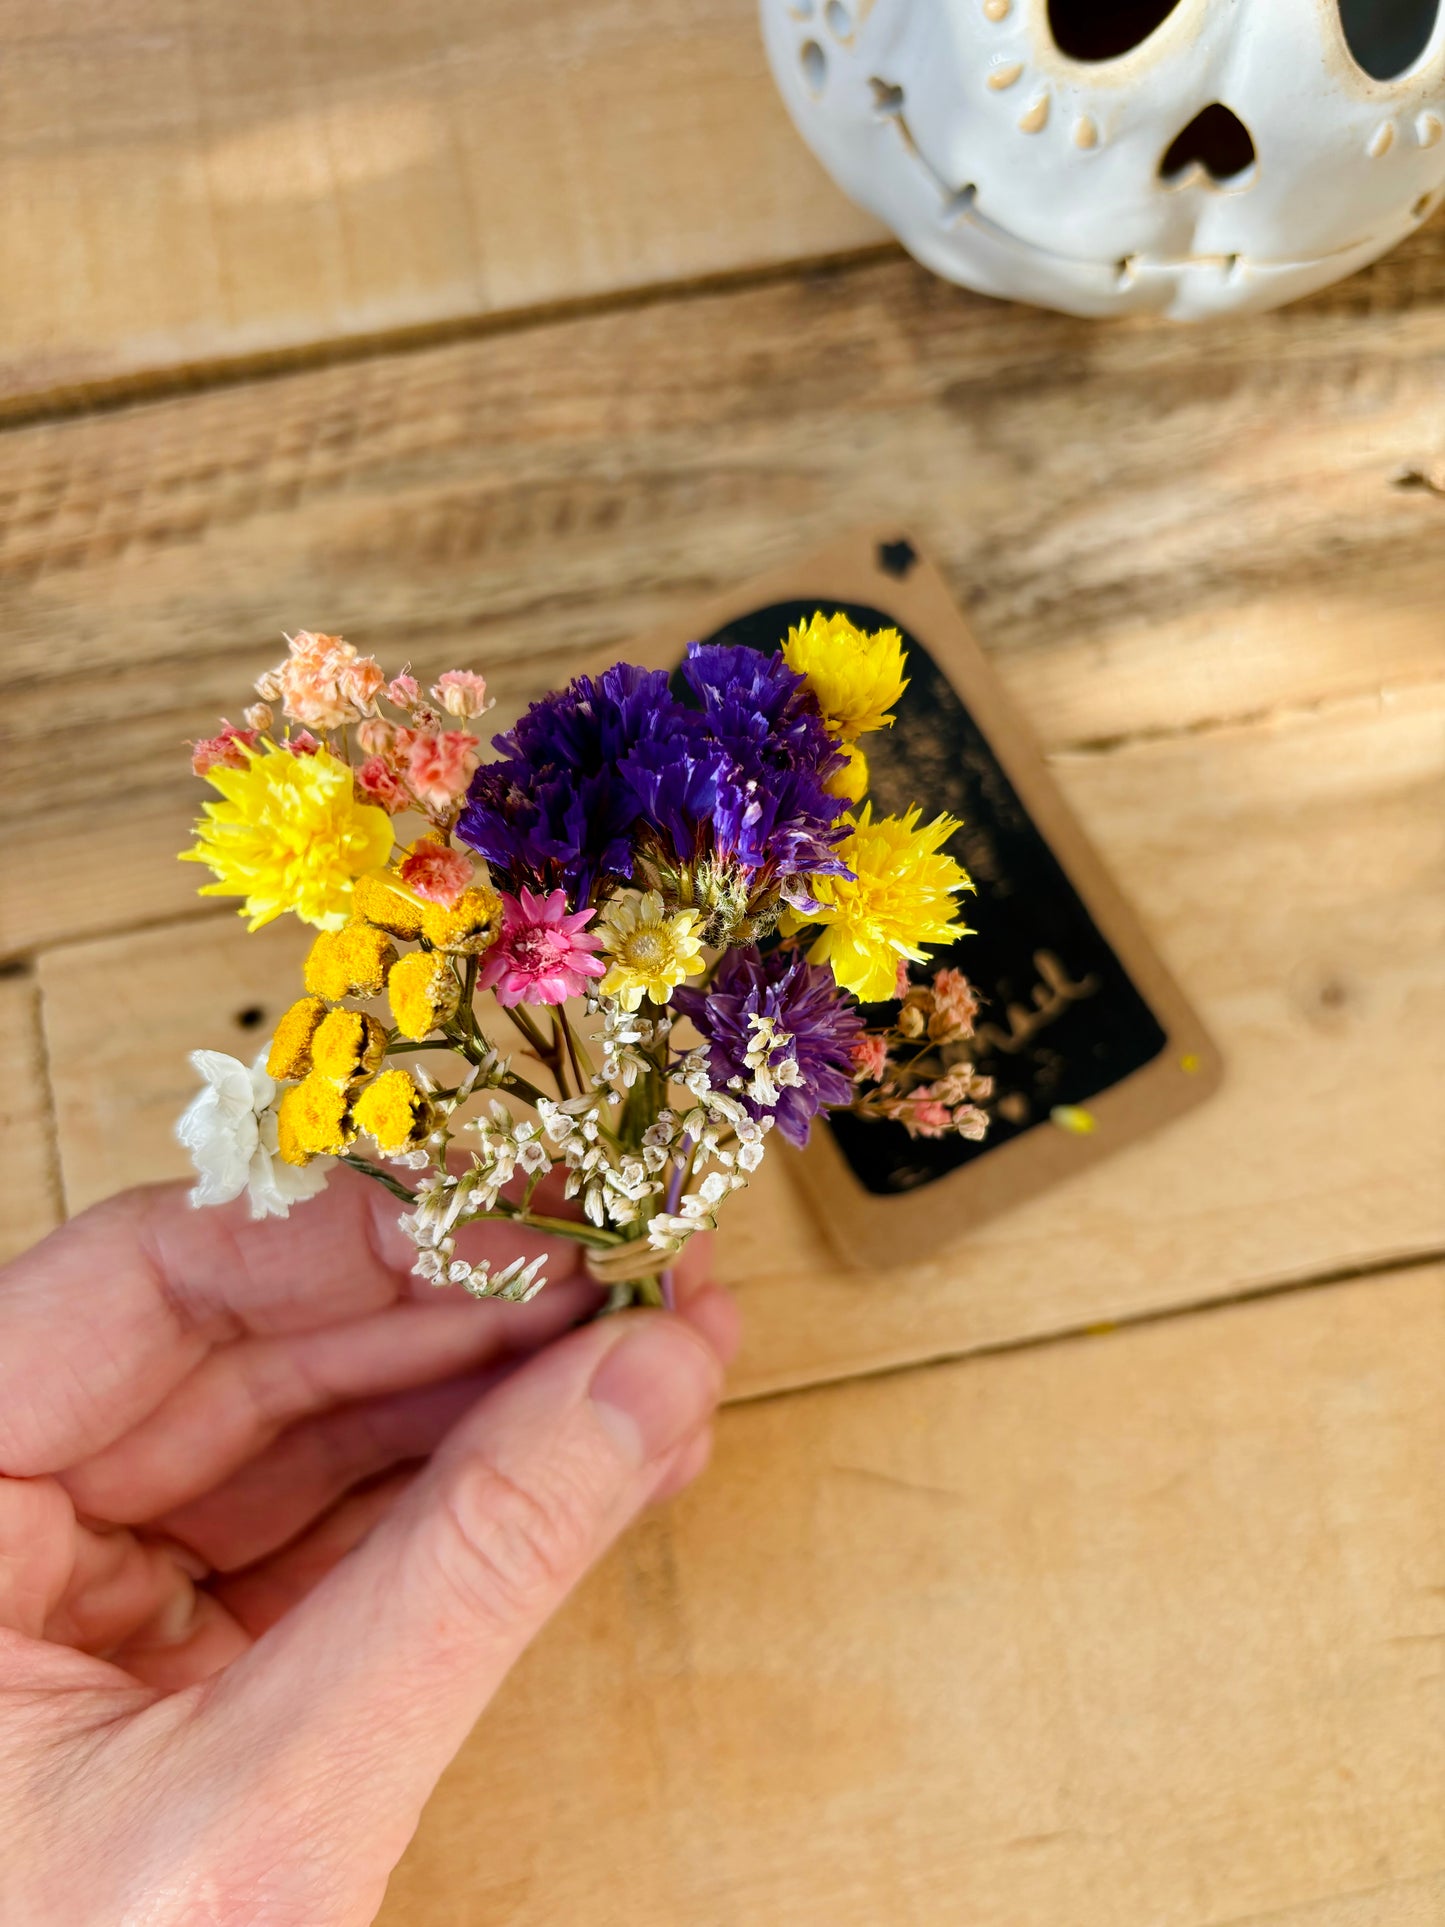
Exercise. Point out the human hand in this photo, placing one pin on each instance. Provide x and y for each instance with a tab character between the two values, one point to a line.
275	1520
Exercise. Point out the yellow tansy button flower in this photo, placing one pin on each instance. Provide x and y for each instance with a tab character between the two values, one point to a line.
856	678
312	1120
471	925
352	962
290	1053
851	781
347	1044
423	992
393	1111
383	899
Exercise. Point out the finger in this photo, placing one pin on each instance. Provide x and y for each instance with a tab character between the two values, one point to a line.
112	1311
261	1595
242	1396
688	1463
377	1676
275	1498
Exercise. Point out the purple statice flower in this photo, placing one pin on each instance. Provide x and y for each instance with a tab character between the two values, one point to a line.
744	778
777	1027
556	811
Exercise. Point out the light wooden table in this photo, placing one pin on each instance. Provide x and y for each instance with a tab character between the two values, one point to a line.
1094	1574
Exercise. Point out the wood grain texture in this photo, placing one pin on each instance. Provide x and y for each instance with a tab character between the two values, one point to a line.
1139	1631
29	1181
182	184
1151	529
1291	877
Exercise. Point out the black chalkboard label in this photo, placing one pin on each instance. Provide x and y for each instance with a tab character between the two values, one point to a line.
1061	1020
1090	1042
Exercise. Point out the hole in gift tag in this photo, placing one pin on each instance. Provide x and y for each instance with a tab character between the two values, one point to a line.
251	1018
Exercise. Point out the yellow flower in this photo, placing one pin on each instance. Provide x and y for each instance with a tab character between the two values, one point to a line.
898	899
851	782
352	962
383	899
856	678
393	1112
289	834
423	992
347	1044
471	925
290	1053
651	951
312	1120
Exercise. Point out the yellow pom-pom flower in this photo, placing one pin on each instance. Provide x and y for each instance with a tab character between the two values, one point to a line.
471	925
289	834
856	678
347	1044
383	899
393	1111
350	962
290	1053
424	993
899	898
312	1120
651	951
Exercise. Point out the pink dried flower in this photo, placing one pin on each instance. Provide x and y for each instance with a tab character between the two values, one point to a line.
225	750
323	683
925	1117
379	783
403	690
361	682
303	743
435	871
955	1005
870	1058
438	766
461	693
544	954
375	736
261	717
900	988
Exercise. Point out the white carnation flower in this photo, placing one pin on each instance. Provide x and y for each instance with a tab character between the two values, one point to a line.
230	1131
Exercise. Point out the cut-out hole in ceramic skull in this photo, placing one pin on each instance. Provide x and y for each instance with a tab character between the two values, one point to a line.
1105	29
1126	156
1216	140
1387	37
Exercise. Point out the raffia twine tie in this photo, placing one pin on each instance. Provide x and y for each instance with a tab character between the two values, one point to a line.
620	1264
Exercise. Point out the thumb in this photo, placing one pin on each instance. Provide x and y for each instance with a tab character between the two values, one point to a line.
364	1692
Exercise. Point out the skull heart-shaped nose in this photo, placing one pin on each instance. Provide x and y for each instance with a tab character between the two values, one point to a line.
1215	145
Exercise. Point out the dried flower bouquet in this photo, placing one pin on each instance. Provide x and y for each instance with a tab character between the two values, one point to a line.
695	926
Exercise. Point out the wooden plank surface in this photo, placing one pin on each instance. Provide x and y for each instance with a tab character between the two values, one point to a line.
1137	1631
1152	529
29	1179
183	184
1291	874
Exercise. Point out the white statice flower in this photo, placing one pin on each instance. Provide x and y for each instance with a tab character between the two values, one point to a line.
770	1060
229	1128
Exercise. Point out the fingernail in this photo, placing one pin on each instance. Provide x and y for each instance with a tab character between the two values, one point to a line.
655	1386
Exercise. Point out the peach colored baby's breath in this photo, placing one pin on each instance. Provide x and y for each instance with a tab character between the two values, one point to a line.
379	783
403	690
324	683
461	693
438	765
435	872
375	736
870	1059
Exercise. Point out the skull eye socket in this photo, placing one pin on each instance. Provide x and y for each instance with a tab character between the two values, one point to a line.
1104	29
1387	37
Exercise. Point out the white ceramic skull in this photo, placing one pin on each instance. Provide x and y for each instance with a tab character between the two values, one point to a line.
1186	157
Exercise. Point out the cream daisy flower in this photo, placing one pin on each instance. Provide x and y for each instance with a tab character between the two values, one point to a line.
650	950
